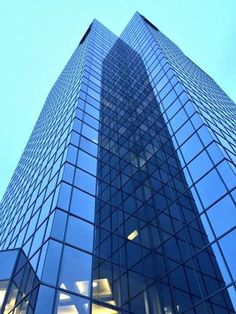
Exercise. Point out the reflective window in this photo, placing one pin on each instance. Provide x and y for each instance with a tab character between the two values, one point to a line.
80	233
52	261
91	121
222	215
191	148
82	204
64	196
85	181
200	165
76	271
7	258
59	225
90	133
210	188
89	146
87	162
44	300
92	111
227	174
227	244
215	153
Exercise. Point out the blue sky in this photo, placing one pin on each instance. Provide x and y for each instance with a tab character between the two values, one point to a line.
38	37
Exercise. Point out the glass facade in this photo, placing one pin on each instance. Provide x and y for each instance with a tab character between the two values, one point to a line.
123	201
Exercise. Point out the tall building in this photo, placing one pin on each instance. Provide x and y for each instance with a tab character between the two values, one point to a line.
123	200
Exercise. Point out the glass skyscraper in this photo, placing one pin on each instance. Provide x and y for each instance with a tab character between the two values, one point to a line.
123	201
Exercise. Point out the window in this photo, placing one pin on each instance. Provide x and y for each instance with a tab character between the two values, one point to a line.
87	162
199	166
89	146
76	271
80	233
229	249
85	181
191	148
210	188
222	215
82	204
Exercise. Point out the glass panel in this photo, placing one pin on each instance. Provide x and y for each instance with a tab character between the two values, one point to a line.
199	166
85	181
191	148
210	188
64	196
222	215
227	174
44	300
229	250
82	204
87	162
80	233
90	133
76	271
52	262
88	146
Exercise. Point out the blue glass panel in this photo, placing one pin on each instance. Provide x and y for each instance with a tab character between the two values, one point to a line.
64	196
90	133
222	215
179	119
191	148
92	111
221	263
68	173
227	173
228	245
91	121
44	300
87	162
80	233
89	146
71	154
76	271
59	225
205	135
7	258
200	165
184	132
215	153
77	123
82	204
85	181
52	262
210	188
207	227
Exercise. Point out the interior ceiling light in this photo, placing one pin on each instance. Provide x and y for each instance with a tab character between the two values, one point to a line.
133	235
67	309
97	309
63	296
83	287
101	288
